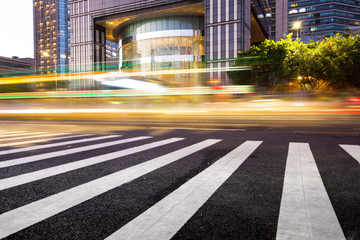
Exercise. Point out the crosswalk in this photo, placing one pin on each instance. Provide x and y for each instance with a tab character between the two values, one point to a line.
305	211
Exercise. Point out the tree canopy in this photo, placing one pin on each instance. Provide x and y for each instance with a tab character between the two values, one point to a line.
332	63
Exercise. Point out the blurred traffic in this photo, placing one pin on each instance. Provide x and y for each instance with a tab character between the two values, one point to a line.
118	92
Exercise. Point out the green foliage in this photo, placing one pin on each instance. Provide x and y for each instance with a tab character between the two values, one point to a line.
333	62
338	60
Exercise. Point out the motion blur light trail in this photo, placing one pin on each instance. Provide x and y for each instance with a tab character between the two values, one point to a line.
120	74
93	110
132	93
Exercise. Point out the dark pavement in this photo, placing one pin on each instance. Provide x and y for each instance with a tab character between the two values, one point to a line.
245	206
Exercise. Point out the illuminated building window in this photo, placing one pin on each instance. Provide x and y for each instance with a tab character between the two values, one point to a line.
35	3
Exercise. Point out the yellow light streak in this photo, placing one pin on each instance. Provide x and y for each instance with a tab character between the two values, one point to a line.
69	76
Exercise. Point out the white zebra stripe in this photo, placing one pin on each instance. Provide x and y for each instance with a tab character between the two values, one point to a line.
30	142
33	136
25	216
11	134
306	211
44	156
165	218
7	132
48	172
353	150
56	144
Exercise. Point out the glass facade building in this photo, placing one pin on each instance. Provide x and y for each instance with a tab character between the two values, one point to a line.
164	35
319	18
51	35
165	43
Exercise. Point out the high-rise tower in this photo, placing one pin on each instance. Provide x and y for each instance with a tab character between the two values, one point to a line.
315	19
51	35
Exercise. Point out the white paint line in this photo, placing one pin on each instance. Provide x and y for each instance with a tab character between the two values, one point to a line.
19	133
165	218
52	171
49	125
25	216
60	125
33	136
201	129
306	211
29	142
44	156
95	110
55	144
7	132
353	150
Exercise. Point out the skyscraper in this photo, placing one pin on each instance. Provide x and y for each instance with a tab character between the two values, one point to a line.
51	35
316	18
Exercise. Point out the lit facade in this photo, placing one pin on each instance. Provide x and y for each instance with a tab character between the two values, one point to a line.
51	35
319	18
112	50
163	35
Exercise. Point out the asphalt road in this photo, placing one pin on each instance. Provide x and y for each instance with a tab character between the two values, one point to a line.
181	183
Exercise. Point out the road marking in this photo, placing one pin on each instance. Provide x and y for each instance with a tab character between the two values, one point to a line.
353	133
29	142
18	133
52	171
166	217
306	211
55	144
7	132
353	150
34	136
44	156
49	125
202	129
27	215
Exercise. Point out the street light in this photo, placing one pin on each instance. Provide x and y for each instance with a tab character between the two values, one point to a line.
297	26
46	54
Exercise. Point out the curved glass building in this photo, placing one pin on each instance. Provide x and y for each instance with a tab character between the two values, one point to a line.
164	43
